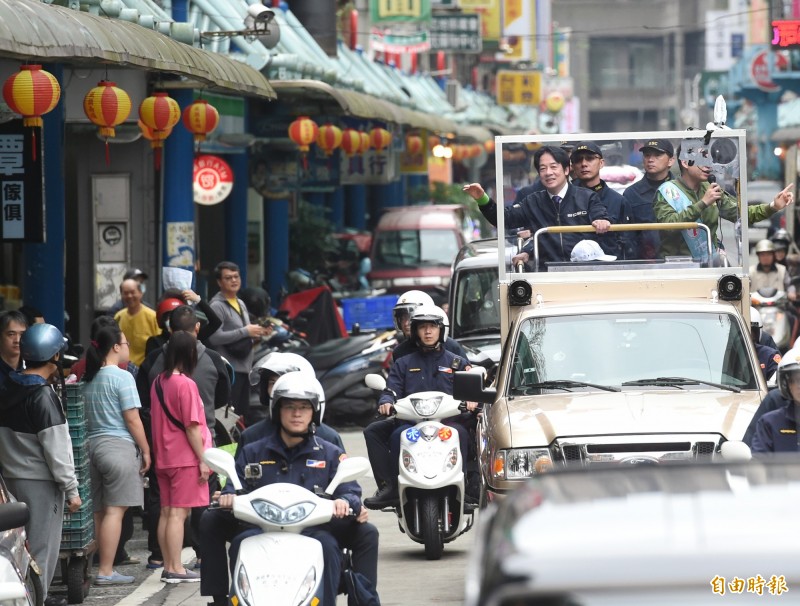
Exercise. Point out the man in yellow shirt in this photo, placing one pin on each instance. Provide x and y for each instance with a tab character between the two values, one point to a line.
136	320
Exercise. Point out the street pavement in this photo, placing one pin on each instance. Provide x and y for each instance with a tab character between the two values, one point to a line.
404	575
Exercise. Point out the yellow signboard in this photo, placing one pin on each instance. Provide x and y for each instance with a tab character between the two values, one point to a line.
519	88
490	12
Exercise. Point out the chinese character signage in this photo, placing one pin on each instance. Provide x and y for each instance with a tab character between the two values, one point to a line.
457	33
21	184
785	34
399	11
372	167
213	180
384	42
519	88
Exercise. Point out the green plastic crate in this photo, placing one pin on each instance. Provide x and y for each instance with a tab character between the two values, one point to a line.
78	432
81	456
77	538
85	490
82	471
81	518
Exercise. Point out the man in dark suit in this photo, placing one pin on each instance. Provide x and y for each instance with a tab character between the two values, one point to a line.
559	204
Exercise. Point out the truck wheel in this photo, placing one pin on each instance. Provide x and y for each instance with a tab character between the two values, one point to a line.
77	579
431	532
33	587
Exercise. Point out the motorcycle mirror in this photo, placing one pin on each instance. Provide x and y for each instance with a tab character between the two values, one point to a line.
13	515
349	469
375	381
735	451
222	462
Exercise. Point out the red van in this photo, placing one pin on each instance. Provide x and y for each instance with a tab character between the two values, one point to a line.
414	246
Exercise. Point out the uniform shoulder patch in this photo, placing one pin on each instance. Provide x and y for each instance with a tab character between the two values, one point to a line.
315	464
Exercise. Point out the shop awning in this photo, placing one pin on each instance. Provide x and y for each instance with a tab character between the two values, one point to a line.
362	105
32	30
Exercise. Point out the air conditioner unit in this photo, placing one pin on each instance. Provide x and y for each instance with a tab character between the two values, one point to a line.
453	90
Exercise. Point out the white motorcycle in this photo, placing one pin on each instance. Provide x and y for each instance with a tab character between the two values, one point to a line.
280	566
431	484
772	305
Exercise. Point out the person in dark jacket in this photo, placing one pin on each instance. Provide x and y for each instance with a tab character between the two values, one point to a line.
289	456
560	204
36	448
658	158
401	314
587	160
429	368
776	431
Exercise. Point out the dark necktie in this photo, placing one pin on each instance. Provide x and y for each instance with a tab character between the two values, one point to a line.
557	199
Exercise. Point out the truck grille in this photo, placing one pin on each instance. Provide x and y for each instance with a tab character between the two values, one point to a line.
646	450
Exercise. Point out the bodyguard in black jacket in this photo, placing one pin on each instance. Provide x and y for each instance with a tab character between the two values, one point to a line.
560	204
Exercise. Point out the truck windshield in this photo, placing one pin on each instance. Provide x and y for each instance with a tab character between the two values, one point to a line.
476	302
656	350
415	247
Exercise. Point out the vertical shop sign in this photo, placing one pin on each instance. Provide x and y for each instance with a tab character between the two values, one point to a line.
21	184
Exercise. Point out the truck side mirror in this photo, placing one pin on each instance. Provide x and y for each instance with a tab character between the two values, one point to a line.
468	386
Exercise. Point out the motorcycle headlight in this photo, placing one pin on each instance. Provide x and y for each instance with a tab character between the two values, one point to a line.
243	585
451	460
409	463
306	587
426	407
280	516
521	463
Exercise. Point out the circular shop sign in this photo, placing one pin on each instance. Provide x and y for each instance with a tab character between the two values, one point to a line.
760	71
213	180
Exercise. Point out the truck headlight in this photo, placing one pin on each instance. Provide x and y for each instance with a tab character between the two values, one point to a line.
521	463
280	516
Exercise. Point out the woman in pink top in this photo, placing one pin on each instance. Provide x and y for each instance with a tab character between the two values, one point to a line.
180	436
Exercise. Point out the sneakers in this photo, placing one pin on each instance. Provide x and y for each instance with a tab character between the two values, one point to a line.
114	578
187	576
385	497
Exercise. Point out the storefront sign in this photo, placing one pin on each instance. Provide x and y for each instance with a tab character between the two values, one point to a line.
381	11
180	244
458	33
384	42
786	34
760	71
372	167
414	163
213	180
519	88
21	184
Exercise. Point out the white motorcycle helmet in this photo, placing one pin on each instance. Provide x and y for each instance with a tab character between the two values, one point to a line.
407	303
789	365
279	363
298	386
429	313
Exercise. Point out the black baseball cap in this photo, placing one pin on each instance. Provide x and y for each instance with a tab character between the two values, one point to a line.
662	145
134	273
587	147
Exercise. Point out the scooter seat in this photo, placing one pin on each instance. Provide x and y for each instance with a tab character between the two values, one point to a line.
329	354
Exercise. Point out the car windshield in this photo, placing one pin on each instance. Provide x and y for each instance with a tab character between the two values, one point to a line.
431	247
477	302
645	350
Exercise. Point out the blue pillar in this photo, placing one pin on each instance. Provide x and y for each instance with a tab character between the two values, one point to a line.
43	282
401	193
336	206
236	214
177	166
315	197
180	10
355	207
389	194
276	246
415	181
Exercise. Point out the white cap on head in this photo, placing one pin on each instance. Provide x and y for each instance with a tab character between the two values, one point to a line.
589	250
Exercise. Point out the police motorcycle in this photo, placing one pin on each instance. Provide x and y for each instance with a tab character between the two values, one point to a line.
772	305
280	566
431	484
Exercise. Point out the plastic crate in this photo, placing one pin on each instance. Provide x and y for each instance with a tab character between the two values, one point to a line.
85	490
371	314
78	431
81	518
77	538
81	456
82	471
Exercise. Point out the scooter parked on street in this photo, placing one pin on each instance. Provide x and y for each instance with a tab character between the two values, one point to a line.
281	566
20	577
431	484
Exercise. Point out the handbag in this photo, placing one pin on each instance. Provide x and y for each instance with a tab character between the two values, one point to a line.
359	589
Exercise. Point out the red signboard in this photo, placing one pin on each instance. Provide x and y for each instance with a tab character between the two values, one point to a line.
786	34
213	180
760	72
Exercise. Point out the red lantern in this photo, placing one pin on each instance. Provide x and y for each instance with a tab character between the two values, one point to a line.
200	118
413	144
488	145
366	143
106	106
160	113
303	132
32	92
458	153
351	141
156	138
329	138
380	138
433	141
475	150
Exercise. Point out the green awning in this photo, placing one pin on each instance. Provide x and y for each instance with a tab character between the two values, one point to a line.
362	105
31	30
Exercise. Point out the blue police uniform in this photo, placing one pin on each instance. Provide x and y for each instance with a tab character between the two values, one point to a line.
266	427
768	359
773	401
312	463
621	244
640	197
407	346
776	431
